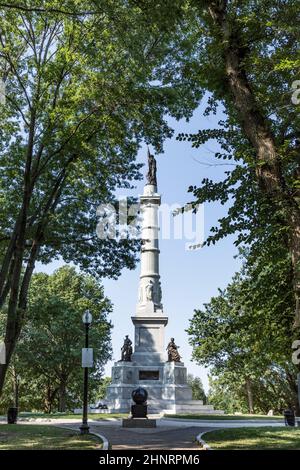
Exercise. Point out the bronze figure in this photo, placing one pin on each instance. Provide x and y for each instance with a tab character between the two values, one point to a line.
173	354
151	175
126	350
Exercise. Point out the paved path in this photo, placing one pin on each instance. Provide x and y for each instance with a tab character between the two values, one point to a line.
169	434
162	437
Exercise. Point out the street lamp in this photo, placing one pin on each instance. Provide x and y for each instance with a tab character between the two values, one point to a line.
86	320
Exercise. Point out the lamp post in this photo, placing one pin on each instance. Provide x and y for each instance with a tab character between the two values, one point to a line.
84	428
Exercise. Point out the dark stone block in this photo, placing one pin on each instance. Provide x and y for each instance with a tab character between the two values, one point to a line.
139	411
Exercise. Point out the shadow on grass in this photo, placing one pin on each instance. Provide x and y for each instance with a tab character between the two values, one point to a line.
34	436
254	438
94	416
209	417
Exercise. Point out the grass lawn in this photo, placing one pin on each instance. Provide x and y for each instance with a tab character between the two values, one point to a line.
94	416
254	438
27	437
224	417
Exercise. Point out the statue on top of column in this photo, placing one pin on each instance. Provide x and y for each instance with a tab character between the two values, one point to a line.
151	175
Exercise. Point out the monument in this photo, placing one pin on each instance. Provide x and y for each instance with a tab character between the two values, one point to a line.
151	366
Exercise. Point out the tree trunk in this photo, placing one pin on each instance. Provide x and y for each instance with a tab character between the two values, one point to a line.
4	367
293	381
257	130
249	396
295	254
62	397
16	392
298	395
13	260
50	397
19	288
12	332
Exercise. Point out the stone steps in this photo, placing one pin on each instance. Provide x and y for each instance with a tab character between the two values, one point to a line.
181	407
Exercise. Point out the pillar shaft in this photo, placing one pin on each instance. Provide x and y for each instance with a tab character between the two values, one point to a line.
149	285
149	320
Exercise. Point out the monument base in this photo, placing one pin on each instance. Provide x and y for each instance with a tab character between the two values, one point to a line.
138	423
165	382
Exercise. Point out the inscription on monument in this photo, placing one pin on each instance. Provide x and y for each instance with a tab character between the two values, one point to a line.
148	375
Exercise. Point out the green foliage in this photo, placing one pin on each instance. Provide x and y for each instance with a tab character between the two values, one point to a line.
244	334
246	59
196	385
87	117
104	383
85	85
225	395
48	356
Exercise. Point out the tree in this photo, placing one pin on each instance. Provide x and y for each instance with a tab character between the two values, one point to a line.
273	390
196	385
245	331
247	58
49	350
105	382
227	396
81	95
34	393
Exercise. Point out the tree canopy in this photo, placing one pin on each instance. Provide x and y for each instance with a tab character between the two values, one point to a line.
244	335
47	360
247	59
86	82
198	392
83	88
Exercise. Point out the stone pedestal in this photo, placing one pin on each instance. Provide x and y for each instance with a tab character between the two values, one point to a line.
165	383
139	411
149	339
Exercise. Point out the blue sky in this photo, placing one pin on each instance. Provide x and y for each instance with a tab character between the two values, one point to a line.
189	278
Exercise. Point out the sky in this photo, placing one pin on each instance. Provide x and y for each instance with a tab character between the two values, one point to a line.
188	278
